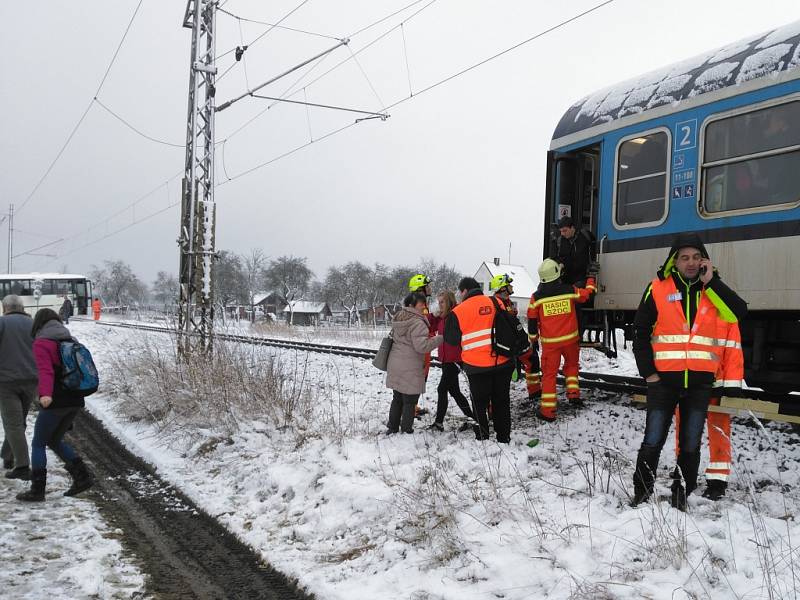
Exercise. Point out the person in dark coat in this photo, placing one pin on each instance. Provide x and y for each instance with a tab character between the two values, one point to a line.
676	348
18	380
574	252
65	312
450	357
58	410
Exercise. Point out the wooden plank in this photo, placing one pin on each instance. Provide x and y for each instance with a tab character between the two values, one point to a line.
742	407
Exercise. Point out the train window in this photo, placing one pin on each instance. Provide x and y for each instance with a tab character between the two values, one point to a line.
752	160
641	192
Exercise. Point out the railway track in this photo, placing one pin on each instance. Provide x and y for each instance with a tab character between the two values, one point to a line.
785	407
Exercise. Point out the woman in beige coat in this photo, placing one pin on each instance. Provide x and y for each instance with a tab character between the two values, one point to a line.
405	372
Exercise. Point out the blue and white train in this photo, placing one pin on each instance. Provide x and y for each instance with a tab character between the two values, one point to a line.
711	144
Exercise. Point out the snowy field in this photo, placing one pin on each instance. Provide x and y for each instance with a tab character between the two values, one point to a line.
61	548
352	513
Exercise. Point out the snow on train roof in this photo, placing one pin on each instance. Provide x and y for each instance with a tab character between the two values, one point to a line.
766	54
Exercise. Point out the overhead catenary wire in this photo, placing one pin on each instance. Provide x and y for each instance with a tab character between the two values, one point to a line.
288	92
276	26
134	129
259	37
340	129
85	112
426	89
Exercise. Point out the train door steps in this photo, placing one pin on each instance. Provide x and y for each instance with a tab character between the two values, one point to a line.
185	552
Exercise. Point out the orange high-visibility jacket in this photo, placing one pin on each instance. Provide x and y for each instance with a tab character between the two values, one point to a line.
556	316
731	368
475	319
676	346
96	306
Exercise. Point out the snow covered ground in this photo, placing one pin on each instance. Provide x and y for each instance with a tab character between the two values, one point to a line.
61	548
353	513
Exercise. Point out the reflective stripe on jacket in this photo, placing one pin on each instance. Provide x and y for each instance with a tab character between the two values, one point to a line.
556	316
676	346
731	368
475	318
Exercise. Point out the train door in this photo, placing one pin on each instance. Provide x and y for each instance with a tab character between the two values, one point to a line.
573	183
573	186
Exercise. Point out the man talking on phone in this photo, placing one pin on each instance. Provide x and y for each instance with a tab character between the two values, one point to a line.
677	351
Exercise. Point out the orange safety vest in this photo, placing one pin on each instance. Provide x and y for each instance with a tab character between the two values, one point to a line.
676	346
96	306
557	315
475	318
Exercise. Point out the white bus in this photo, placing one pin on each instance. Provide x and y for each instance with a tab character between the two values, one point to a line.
47	290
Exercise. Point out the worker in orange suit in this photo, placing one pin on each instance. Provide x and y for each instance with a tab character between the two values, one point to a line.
96	309
727	382
502	288
553	322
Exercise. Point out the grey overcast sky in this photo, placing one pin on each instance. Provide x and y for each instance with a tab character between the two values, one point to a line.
456	174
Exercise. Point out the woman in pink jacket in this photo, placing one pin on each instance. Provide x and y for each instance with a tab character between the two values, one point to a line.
450	357
58	409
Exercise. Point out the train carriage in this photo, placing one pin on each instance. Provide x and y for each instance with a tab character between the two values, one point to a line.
711	144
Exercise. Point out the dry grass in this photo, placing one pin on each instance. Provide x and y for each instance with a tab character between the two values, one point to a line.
217	393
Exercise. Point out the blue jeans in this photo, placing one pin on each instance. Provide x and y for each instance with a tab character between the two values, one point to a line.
661	402
48	432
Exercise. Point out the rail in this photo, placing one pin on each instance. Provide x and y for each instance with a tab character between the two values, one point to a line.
764	405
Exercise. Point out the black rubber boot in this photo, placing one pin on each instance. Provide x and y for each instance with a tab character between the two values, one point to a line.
715	489
82	478
678	495
644	476
23	473
38	483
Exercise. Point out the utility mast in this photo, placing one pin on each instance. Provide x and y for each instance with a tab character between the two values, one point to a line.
198	210
11	238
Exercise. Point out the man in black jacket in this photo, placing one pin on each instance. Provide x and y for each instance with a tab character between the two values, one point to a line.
574	252
676	351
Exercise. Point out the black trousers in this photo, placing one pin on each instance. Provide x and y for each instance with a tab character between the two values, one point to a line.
492	386
401	412
449	385
661	402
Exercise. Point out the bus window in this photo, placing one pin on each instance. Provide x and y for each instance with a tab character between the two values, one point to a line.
641	187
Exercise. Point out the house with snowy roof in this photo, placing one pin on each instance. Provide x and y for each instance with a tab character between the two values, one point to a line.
304	312
522	282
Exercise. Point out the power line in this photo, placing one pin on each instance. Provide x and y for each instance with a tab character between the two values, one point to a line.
134	129
506	51
85	112
339	130
276	26
426	89
271	27
288	93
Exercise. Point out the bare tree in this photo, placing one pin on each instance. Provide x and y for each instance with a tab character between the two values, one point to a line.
254	265
117	282
347	286
230	282
376	289
289	277
165	289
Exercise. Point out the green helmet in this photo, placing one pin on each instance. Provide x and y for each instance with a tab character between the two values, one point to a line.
549	270
417	282
498	282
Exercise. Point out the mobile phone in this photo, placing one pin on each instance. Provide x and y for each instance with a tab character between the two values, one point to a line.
703	270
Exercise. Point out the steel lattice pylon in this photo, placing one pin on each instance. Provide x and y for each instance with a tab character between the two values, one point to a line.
198	210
